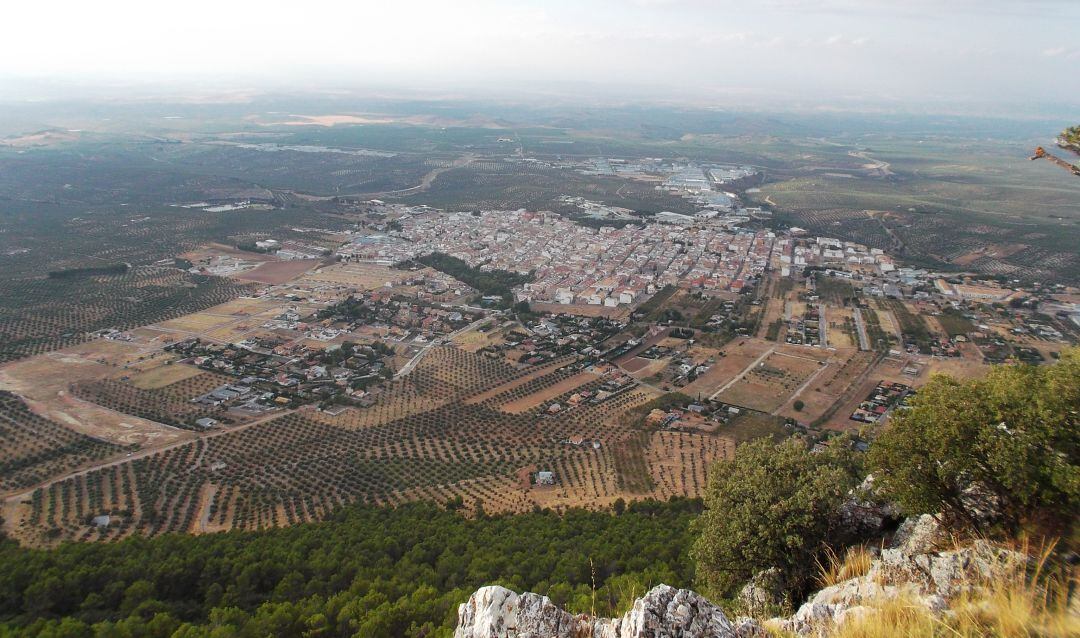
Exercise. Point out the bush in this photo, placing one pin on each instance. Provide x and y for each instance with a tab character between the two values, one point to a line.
772	506
1010	440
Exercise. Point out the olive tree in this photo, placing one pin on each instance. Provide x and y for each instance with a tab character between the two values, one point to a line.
773	505
1002	448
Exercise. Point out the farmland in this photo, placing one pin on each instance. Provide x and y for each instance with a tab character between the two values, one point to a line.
443	431
36	448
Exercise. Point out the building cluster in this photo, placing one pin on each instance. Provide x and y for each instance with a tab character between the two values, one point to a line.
572	264
598	210
882	398
272	372
381	314
796	252
537	340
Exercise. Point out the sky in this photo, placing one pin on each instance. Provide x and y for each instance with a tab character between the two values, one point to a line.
800	50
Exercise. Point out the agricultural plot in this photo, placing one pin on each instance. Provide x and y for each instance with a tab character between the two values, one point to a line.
679	462
888	369
163	375
840	327
170	404
845	369
770	383
733	359
36	448
46	314
437	433
278	272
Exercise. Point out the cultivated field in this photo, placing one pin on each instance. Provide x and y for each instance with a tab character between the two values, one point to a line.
278	272
768	384
459	425
36	448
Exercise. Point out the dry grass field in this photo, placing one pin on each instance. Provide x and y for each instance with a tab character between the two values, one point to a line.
278	272
769	384
845	367
732	360
360	276
162	374
43	382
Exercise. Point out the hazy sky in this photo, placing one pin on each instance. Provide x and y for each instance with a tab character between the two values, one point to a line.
910	50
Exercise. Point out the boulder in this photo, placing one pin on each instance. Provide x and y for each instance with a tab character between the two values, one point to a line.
864	513
919	535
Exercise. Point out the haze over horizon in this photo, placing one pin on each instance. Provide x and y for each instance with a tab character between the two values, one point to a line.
813	52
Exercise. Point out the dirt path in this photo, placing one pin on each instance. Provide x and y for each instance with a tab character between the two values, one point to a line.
746	370
805	385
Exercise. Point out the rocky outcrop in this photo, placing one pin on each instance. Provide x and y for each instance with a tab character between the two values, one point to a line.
763	594
864	512
494	612
664	612
918	567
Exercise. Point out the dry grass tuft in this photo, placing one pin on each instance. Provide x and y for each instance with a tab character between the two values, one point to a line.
836	568
1027	604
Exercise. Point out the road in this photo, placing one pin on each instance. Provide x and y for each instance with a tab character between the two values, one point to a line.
426	180
791	400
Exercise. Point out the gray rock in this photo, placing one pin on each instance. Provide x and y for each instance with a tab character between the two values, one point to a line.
664	612
864	512
494	612
764	592
919	535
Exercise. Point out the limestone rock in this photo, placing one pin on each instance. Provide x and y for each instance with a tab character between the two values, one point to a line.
664	612
864	512
914	569
763	592
497	612
919	535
